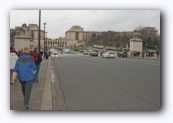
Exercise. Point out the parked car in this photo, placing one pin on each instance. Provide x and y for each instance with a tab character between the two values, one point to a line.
122	54
94	53
108	54
54	54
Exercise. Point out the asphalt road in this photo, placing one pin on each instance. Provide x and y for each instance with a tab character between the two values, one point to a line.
95	83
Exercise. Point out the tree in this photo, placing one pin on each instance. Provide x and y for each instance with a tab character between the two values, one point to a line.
150	38
93	38
138	29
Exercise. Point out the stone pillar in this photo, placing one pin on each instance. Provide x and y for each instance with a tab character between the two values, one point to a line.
136	44
22	41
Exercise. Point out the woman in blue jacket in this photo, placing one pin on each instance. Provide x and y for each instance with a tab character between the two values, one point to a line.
25	68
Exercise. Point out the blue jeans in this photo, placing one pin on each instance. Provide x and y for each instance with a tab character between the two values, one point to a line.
26	90
37	71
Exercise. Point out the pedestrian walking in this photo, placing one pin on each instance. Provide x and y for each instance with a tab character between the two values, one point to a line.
25	68
101	53
13	59
41	53
38	59
46	56
49	52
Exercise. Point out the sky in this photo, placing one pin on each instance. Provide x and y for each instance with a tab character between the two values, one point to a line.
60	21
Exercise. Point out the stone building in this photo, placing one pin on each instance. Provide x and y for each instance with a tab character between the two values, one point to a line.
75	36
26	36
56	42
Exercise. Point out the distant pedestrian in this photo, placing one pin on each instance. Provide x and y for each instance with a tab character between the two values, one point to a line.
157	53
49	53
149	53
13	59
45	55
24	69
38	59
41	53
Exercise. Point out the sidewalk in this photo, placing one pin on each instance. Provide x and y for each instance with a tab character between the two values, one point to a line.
41	95
139	57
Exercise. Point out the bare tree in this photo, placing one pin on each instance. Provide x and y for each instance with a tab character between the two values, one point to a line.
150	38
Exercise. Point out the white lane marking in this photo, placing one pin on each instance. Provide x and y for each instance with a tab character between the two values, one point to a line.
53	78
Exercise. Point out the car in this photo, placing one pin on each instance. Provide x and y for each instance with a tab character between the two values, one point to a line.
94	53
67	51
52	50
85	52
54	54
72	52
108	54
122	54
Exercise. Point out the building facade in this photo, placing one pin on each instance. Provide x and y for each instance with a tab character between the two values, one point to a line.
75	36
26	36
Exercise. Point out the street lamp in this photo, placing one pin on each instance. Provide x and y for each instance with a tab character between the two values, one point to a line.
46	40
44	35
39	31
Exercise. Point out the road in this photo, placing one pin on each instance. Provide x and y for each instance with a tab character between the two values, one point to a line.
95	83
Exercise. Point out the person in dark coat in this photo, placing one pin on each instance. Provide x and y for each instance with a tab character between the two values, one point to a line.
46	55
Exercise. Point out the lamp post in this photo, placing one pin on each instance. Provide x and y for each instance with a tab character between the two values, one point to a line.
44	35
142	49
46	40
39	31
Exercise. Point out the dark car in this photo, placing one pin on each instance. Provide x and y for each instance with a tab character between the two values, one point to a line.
94	53
122	54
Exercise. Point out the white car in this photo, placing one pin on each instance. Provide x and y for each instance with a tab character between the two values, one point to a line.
54	54
67	51
85	52
108	54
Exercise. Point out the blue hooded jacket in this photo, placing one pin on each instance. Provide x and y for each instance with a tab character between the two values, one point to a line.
24	67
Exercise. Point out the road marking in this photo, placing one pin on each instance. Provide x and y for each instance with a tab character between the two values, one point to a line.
53	90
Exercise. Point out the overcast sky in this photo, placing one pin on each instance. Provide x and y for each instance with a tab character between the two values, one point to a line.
59	21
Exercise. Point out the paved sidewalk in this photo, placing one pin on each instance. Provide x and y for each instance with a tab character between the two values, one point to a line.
151	58
41	96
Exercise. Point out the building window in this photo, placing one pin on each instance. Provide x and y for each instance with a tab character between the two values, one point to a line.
77	36
32	34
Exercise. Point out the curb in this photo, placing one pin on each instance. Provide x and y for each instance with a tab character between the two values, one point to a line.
46	103
145	58
57	95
